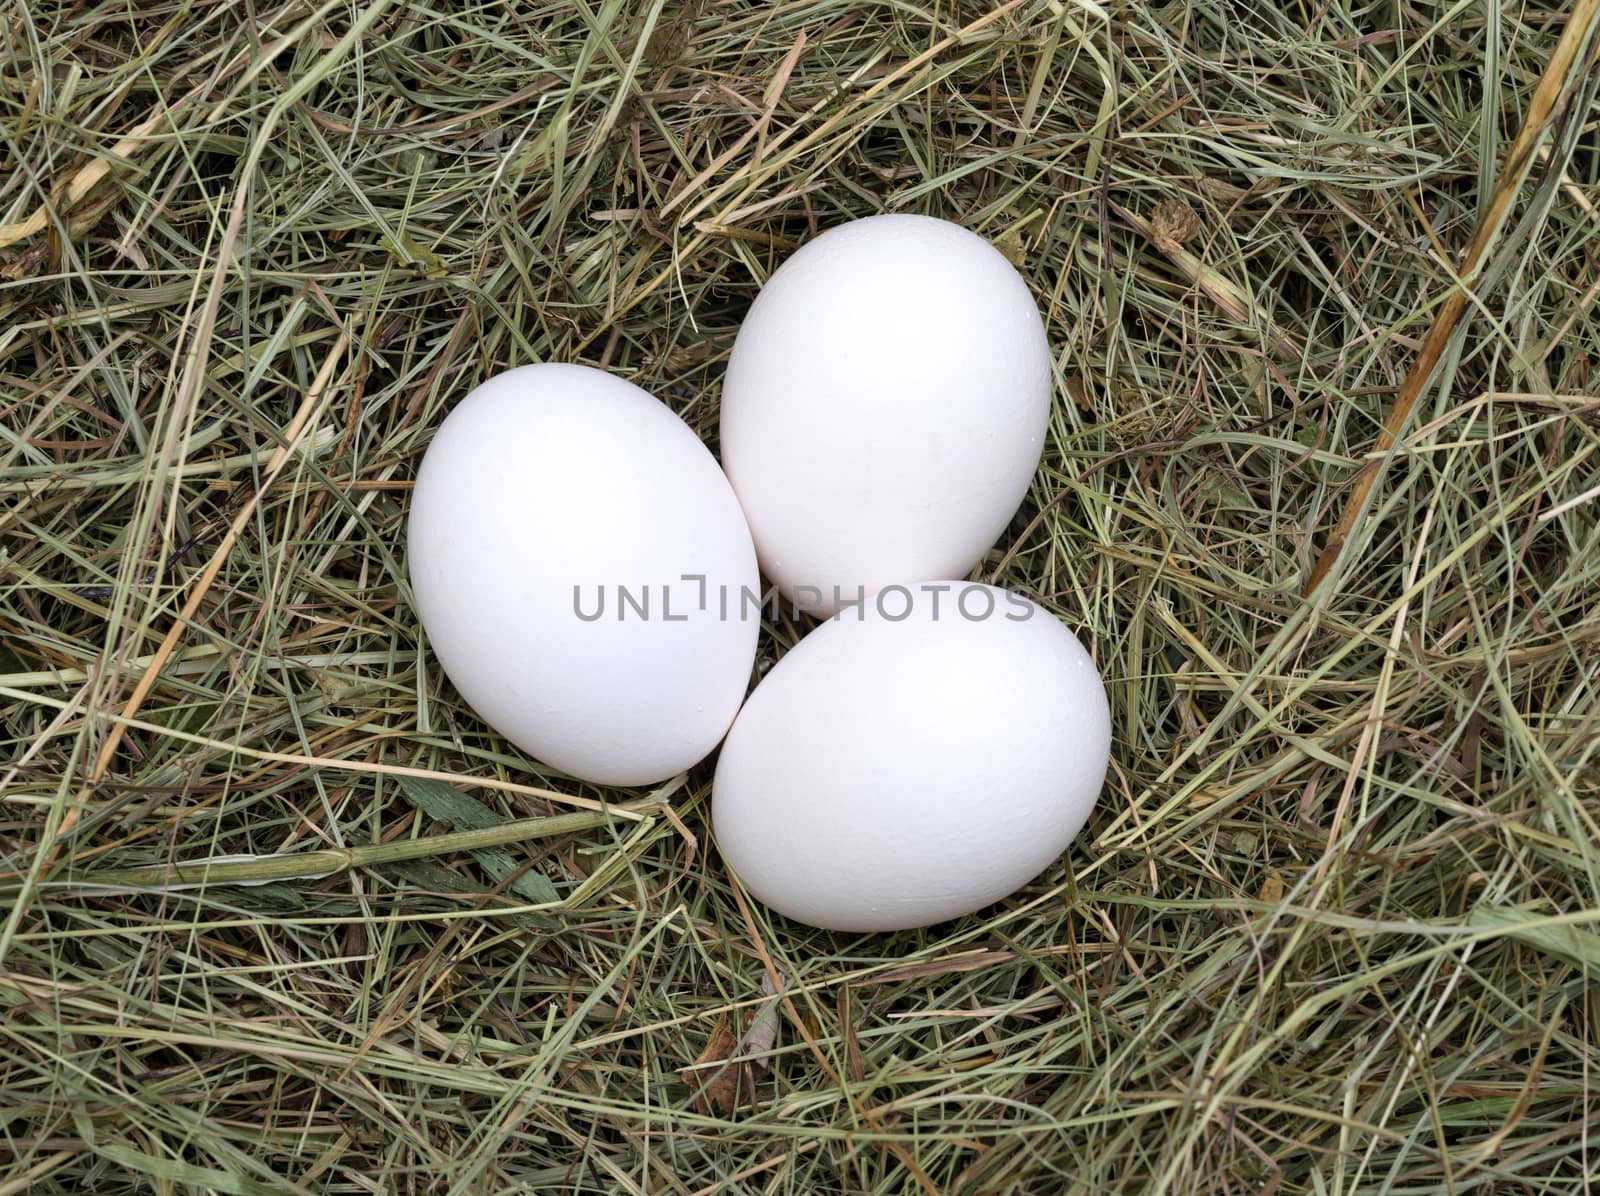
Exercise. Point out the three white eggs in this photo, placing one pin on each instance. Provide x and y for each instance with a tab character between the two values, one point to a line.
587	577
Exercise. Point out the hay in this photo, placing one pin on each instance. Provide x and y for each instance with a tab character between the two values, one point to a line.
1334	927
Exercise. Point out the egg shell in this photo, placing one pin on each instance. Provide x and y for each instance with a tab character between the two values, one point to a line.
553	493
891	772
884	407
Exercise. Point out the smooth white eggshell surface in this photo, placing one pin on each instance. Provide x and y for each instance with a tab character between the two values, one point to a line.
551	477
891	774
884	407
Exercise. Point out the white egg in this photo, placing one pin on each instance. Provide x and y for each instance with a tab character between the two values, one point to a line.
914	759
572	550
885	407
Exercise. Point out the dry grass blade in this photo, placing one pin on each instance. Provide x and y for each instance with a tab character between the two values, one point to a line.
1566	61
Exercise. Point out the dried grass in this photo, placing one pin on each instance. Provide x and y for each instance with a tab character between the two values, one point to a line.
1334	928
